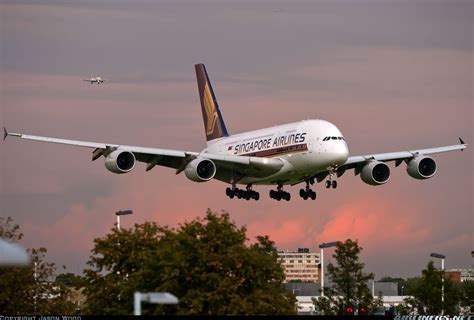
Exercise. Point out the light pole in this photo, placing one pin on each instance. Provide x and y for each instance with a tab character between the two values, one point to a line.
322	246
442	257
122	213
151	297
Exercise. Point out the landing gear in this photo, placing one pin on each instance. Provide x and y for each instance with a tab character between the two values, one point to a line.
307	193
246	194
330	182
279	194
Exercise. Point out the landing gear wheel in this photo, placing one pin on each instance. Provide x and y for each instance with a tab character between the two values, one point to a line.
334	184
313	195
228	192
305	196
328	184
302	192
272	194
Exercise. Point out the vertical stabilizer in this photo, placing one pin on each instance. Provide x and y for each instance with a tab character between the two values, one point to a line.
213	122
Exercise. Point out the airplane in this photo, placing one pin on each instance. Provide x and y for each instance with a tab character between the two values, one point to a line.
93	80
303	152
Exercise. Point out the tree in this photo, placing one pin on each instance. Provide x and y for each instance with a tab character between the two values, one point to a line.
69	280
349	288
205	263
427	293
27	290
467	296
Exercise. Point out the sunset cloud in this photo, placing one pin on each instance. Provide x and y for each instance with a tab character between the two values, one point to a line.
387	85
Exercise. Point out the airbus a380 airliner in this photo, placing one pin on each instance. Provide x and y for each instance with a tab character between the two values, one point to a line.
300	152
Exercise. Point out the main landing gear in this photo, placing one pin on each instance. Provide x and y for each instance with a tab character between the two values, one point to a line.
307	193
246	194
279	194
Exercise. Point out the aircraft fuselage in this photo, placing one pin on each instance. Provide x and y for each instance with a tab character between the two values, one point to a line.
299	145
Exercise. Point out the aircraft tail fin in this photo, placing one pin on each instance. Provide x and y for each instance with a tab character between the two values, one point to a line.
213	122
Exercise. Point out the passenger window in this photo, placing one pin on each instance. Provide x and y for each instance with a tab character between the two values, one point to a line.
339	138
333	138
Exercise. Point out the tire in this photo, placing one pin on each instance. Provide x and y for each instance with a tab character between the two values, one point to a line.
228	191
305	196
313	195
302	192
334	184
272	194
328	184
287	196
257	196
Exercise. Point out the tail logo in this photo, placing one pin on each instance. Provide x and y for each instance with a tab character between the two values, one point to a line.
211	113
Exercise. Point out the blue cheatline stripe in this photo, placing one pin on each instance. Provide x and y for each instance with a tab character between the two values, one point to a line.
278	151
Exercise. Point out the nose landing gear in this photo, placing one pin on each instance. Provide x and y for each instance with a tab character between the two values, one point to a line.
330	182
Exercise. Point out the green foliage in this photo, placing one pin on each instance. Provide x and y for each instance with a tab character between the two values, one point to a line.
21	292
467	296
205	263
427	290
349	282
69	280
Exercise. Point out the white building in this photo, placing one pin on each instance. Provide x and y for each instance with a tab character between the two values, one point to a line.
300	265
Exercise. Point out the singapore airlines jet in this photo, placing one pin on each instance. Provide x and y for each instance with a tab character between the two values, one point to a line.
300	152
93	80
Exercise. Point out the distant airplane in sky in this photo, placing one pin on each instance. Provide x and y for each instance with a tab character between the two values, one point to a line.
93	80
306	152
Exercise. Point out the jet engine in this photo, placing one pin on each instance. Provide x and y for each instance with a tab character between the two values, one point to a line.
421	167
120	161
375	173
200	170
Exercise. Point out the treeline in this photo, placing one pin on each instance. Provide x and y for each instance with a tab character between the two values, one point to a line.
210	266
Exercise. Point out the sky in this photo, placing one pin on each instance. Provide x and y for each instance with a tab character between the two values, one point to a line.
392	75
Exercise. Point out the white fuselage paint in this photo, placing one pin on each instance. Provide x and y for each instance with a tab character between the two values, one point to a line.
299	145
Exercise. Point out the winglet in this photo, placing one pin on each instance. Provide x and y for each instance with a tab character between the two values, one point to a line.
5	133
460	140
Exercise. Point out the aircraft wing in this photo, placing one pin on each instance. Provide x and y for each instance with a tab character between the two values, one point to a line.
357	162
176	159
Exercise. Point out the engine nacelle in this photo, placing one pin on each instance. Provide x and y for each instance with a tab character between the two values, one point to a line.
375	173
120	161
421	167
200	170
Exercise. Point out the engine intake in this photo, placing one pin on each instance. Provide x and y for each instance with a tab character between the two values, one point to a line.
120	161
375	173
421	167
200	170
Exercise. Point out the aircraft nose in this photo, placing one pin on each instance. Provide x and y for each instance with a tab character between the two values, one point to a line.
340	152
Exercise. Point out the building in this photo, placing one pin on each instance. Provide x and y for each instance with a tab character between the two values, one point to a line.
301	265
460	275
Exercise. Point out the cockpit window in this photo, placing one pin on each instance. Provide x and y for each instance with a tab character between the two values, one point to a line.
333	138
